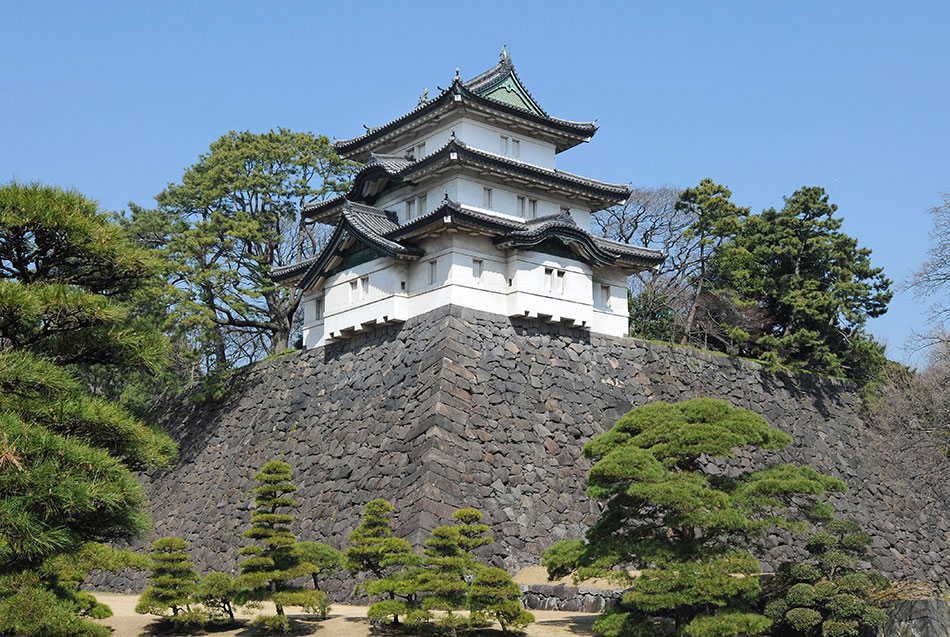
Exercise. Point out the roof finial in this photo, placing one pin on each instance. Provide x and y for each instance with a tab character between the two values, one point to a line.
504	52
424	97
452	136
445	197
458	75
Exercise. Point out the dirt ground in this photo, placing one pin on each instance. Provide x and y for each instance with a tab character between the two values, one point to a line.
344	621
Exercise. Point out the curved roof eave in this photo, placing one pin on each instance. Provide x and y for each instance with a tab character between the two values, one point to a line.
581	131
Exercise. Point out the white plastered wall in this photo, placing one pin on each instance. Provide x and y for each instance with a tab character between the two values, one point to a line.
468	271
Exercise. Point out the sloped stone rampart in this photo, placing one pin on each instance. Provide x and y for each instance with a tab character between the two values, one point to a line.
459	408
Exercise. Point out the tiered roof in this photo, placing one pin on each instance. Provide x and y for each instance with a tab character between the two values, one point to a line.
380	231
382	173
497	93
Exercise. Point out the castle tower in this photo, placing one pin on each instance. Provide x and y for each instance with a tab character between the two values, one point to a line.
459	203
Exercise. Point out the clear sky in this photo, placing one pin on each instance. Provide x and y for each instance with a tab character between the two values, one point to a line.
116	99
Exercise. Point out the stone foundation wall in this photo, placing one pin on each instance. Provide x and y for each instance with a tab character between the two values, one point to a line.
460	408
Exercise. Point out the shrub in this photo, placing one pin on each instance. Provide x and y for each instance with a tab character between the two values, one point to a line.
494	596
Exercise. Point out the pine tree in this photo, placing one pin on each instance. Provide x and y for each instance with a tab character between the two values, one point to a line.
449	561
683	526
275	560
435	580
217	592
374	552
174	580
828	594
495	597
66	455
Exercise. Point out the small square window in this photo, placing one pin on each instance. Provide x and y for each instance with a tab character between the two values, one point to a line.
486	198
515	148
504	144
421	205
420	150
354	290
364	288
532	208
549	279
521	207
410	208
477	268
560	282
433	272
605	296
318	310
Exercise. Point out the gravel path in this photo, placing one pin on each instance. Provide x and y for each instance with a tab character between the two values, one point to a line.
344	621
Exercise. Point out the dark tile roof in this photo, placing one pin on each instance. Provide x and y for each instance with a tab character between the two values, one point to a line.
288	272
390	163
470	91
381	229
601	189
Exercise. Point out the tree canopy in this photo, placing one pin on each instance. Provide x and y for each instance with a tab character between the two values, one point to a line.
686	527
65	454
234	217
814	285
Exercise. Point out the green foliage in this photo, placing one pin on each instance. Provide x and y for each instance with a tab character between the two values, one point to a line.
218	592
66	454
375	553
651	316
717	219
323	559
233	217
174	579
563	558
681	526
495	597
813	283
827	594
275	559
449	560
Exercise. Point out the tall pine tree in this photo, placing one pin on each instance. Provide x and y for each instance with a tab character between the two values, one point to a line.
275	559
66	456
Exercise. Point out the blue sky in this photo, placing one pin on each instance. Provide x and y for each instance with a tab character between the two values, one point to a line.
116	99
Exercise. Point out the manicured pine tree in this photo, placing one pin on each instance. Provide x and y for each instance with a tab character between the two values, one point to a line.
828	594
174	579
217	592
494	596
275	560
374	551
323	560
449	560
687	528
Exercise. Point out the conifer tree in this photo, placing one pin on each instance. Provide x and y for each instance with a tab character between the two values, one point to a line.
828	594
275	560
174	579
66	455
217	592
685	527
449	560
495	597
374	552
435	580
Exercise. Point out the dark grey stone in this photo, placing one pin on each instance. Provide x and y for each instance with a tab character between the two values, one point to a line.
441	413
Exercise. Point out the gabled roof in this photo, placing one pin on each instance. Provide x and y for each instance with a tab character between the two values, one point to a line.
380	230
358	223
379	176
498	92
